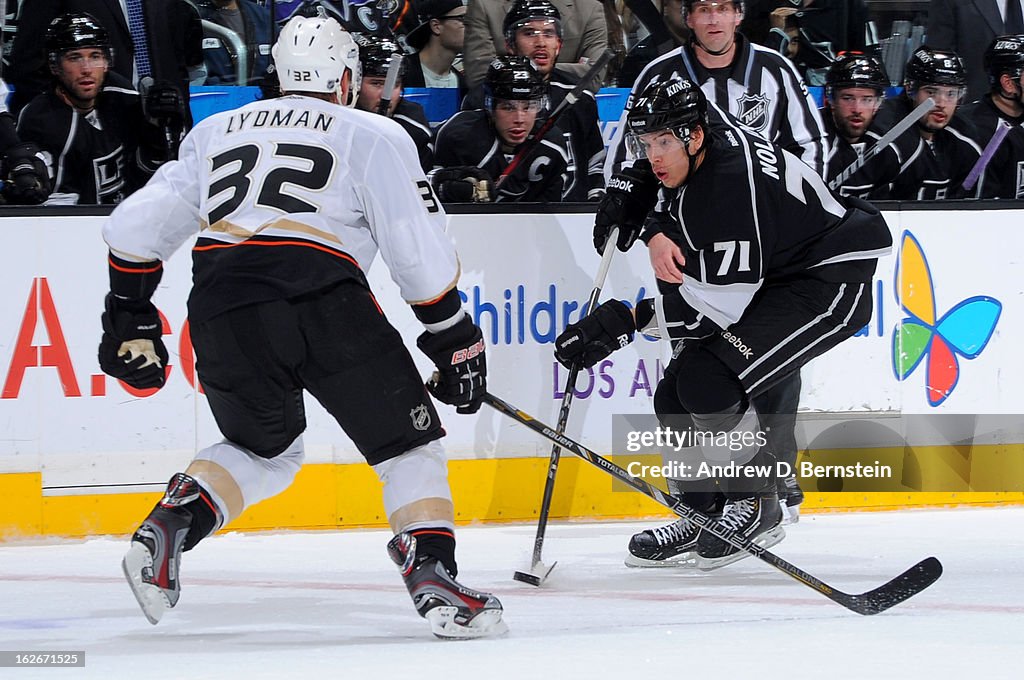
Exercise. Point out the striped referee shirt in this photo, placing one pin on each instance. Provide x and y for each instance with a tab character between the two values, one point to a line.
762	89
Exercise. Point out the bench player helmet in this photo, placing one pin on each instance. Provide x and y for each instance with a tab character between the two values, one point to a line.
312	54
1005	55
75	31
513	78
375	53
676	105
929	66
525	11
854	69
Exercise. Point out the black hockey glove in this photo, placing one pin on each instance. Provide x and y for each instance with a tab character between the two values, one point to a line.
630	195
132	349
26	178
461	376
463	184
608	328
163	104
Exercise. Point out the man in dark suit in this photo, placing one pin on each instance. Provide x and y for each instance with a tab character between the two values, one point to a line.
173	30
967	27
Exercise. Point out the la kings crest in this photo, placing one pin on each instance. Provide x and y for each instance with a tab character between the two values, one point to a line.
753	111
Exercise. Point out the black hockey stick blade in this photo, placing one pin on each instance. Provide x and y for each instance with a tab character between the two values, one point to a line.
904	586
538	574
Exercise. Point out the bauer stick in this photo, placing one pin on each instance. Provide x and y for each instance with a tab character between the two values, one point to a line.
538	570
530	144
883	142
887	595
986	156
394	68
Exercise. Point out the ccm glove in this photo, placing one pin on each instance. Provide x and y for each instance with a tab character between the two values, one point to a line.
27	180
463	184
131	349
608	328
461	376
630	195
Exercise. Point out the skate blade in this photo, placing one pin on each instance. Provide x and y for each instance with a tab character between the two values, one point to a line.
487	623
536	576
765	540
685	560
150	598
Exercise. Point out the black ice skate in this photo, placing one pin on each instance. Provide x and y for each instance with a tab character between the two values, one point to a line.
673	545
790	498
454	611
757	519
152	562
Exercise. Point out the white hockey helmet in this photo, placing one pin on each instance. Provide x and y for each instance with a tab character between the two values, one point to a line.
312	54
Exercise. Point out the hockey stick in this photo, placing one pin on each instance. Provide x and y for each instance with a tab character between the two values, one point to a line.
651	18
538	570
531	143
394	68
883	142
986	156
889	594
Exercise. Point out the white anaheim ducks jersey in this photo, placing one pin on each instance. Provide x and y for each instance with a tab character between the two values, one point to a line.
289	196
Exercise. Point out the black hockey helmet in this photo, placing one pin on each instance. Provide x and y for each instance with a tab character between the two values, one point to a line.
855	69
676	105
513	78
73	31
375	53
1005	54
524	11
929	66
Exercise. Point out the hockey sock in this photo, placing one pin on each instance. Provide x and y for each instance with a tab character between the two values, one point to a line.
439	543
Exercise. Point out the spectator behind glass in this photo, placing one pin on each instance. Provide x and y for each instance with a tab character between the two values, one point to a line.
810	32
934	157
90	123
1003	106
967	27
647	50
375	54
584	36
437	41
474	147
173	31
251	23
533	30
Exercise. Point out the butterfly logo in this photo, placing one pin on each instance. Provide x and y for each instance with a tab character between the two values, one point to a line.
962	331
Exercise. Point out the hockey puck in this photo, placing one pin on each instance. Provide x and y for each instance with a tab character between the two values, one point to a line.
532	579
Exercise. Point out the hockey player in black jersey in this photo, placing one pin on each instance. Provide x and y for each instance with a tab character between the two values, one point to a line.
934	157
1002	106
375	54
474	147
760	269
101	141
293	198
533	29
854	90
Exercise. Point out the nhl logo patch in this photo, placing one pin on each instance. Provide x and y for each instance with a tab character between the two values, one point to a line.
420	417
753	111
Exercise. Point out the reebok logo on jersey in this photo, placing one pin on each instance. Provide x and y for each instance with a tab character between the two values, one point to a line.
620	184
736	342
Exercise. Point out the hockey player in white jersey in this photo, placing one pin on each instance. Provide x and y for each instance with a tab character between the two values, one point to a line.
292	199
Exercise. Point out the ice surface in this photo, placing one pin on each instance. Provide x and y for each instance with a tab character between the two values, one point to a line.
331	605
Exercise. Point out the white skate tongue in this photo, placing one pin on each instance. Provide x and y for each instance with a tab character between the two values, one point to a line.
151	598
487	623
